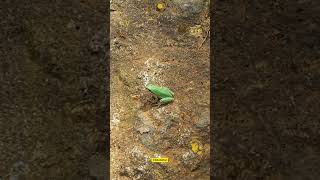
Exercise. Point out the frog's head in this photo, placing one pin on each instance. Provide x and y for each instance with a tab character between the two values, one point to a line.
150	86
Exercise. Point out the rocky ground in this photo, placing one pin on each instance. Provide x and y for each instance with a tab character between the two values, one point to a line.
169	47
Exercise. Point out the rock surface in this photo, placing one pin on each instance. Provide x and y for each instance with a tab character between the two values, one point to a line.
167	48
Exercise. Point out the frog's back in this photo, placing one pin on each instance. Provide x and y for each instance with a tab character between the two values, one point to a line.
162	92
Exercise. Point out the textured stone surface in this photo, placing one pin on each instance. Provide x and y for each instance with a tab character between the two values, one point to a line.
166	48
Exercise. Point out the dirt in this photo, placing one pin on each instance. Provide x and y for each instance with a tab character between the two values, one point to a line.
166	47
266	90
53	99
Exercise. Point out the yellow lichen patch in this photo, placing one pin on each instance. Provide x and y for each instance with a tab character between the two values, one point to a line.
196	31
161	6
196	146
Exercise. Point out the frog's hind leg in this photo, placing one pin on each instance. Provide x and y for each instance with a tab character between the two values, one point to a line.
166	100
171	92
167	89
